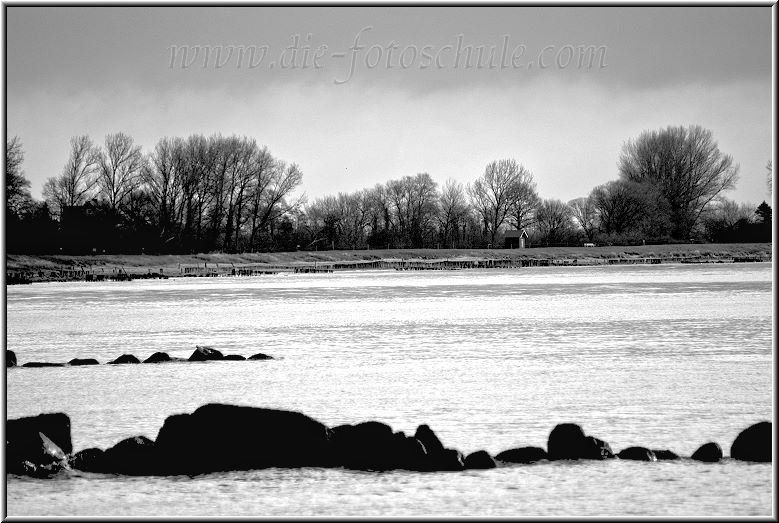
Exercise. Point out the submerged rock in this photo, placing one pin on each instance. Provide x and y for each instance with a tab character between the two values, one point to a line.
125	358
85	361
10	358
522	455
89	460
218	437
753	443
479	460
234	357
637	454
709	452
665	454
42	364
203	353
136	456
260	356
160	357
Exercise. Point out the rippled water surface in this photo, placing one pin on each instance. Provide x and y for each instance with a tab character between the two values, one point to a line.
667	356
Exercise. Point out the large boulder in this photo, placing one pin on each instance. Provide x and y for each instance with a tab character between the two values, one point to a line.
83	361
373	445
35	364
568	441
217	437
56	426
439	458
480	459
125	358
637	454
753	443
522	455
203	353
429	439
665	454
35	455
10	358
158	357
135	456
708	452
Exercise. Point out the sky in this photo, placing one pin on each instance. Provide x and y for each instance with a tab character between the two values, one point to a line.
359	96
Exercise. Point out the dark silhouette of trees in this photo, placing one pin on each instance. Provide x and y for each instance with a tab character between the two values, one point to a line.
75	185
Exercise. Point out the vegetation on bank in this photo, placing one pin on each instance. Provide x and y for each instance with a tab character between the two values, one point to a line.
228	194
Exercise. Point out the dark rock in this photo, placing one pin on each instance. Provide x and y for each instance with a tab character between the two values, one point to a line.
522	455
663	455
234	357
135	456
36	455
125	358
448	460
479	460
565	441
709	452
753	443
260	356
637	454
84	361
42	364
10	358
429	439
365	446
203	353
594	448
158	357
89	460
217	437
56	426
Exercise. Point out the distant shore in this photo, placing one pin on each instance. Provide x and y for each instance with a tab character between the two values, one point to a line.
58	267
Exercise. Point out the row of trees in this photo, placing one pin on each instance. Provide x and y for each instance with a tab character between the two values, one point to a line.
218	193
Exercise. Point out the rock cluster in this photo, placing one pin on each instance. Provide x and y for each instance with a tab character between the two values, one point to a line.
218	437
202	353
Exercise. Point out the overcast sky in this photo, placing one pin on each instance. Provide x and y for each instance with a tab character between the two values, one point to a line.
97	70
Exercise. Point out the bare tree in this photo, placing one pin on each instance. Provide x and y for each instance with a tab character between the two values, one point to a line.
163	175
553	219
120	165
78	179
523	199
685	165
17	187
492	194
452	207
584	212
620	206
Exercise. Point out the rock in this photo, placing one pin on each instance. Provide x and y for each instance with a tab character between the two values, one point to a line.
709	452
125	358
89	460
85	361
234	357
637	454
217	437
135	456
203	353
10	358
429	439
662	455
568	441
364	446
56	426
35	455
42	364
158	357
522	455
753	443
479	460
260	356
448	460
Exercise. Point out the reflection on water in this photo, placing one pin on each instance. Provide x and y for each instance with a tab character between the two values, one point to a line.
662	356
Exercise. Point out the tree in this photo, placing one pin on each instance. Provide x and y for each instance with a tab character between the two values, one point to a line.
17	186
523	199
685	165
585	213
74	186
120	165
764	213
620	206
553	219
492	195
452	207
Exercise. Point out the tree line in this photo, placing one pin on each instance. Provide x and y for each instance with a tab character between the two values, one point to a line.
229	194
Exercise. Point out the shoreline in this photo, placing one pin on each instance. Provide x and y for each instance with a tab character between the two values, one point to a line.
21	268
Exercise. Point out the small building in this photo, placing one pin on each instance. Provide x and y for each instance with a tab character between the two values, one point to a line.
516	239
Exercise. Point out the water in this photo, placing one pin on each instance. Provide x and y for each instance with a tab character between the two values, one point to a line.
667	356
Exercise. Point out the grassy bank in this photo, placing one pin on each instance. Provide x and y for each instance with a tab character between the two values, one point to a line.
142	263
